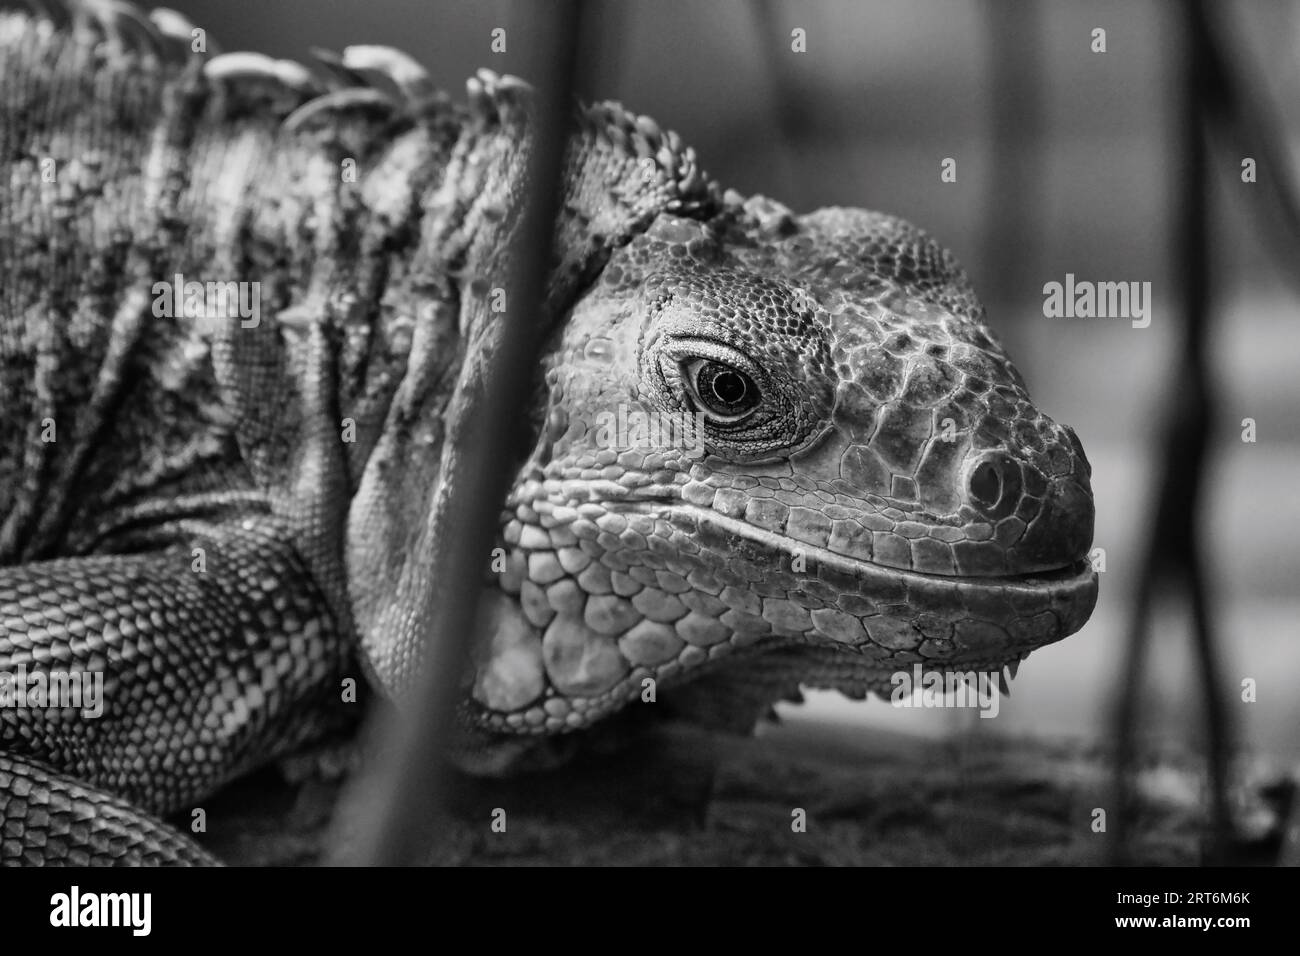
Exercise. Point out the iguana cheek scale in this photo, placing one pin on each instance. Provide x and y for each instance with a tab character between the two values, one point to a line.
234	513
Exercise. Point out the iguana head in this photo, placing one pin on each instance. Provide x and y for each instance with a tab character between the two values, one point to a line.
781	435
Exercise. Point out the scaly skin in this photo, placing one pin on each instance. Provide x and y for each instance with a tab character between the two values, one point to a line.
230	517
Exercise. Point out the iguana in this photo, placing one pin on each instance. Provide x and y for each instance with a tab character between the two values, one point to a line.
765	449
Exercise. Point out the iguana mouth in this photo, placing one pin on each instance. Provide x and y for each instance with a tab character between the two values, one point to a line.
1034	609
1075	578
1068	577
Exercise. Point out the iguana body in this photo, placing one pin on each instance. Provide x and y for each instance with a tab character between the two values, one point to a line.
224	517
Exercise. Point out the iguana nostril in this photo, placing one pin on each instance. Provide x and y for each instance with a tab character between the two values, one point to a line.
985	484
993	485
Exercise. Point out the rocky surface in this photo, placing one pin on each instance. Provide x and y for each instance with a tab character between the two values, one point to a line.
686	797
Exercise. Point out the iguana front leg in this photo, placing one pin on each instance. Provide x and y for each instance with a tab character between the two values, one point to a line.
217	655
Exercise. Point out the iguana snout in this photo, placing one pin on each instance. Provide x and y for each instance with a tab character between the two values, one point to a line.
938	449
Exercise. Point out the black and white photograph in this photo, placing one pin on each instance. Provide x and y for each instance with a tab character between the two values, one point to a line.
651	433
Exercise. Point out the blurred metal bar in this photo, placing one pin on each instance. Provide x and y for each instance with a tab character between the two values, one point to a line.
1249	124
403	823
1246	122
1173	556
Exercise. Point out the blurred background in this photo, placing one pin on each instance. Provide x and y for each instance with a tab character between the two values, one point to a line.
1066	162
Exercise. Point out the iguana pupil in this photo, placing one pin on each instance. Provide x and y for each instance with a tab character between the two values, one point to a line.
725	390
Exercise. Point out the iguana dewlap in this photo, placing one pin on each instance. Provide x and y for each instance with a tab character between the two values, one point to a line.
766	450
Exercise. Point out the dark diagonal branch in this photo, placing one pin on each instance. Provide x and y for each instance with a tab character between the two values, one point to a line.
402	827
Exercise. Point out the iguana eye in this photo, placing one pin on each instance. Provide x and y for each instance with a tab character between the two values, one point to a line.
728	393
752	409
